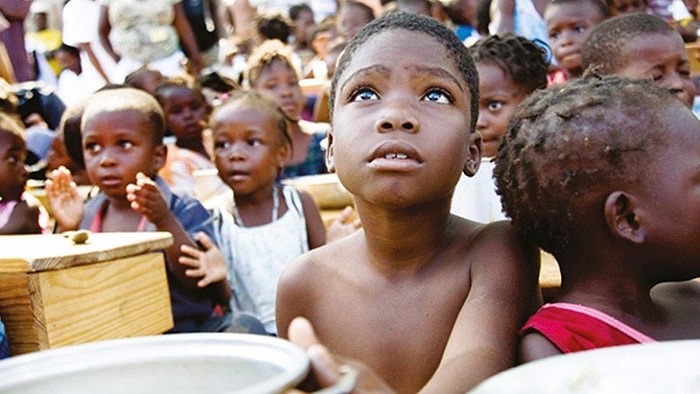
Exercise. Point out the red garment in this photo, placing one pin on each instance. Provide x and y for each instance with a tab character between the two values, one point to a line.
573	328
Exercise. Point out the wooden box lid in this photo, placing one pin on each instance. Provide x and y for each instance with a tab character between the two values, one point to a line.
32	253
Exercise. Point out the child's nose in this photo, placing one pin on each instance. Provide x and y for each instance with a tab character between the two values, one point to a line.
397	118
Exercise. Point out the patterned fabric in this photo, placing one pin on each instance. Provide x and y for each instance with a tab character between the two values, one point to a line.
179	167
574	328
256	256
143	30
315	162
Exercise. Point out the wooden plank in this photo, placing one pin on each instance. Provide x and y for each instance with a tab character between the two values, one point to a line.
23	320
25	253
114	299
550	277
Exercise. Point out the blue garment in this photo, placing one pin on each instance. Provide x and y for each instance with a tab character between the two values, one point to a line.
4	343
315	162
190	307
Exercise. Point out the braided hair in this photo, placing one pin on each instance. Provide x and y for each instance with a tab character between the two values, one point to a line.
568	146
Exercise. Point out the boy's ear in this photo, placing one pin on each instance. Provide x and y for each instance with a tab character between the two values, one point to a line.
476	145
160	153
330	165
621	217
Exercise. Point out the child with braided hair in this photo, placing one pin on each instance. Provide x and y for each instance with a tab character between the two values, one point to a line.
641	46
510	68
612	193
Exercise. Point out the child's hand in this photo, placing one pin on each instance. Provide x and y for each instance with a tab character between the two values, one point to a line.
343	226
64	200
146	199
208	264
351	376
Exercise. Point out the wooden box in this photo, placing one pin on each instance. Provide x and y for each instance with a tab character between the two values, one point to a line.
55	293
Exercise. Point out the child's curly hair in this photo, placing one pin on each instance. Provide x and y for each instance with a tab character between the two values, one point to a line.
567	147
266	53
522	59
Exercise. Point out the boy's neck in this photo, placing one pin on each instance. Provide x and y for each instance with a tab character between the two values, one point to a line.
407	238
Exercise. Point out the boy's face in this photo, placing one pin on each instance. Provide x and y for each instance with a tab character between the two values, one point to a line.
663	59
669	201
400	132
280	82
116	146
13	172
568	26
247	149
185	113
350	20
499	95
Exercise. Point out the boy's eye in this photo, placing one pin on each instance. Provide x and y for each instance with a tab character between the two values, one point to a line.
553	35
126	144
580	29
254	142
438	96
92	147
364	94
221	145
495	105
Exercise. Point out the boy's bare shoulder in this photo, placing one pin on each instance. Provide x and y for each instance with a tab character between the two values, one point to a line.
497	241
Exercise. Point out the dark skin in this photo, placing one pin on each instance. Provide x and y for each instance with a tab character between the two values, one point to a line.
639	258
121	158
13	177
418	295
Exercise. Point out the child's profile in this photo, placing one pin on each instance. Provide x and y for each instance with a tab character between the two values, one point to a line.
611	192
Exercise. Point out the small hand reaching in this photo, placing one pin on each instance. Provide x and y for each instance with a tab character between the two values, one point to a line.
146	199
328	369
64	200
207	264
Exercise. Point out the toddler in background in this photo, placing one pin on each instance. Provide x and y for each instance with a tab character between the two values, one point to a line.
612	193
65	148
428	300
186	115
352	16
619	7
510	68
641	46
265	225
122	141
272	73
569	22
20	212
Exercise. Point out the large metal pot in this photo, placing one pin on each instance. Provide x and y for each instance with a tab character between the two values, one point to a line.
176	363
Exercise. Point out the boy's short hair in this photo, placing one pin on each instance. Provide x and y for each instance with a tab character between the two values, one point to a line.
253	99
522	59
603	49
455	49
125	99
568	145
266	53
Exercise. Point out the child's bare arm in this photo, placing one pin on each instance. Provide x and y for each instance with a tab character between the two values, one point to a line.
64	199
314	224
146	198
208	266
504	292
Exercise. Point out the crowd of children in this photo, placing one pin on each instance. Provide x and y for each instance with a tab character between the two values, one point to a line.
467	150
